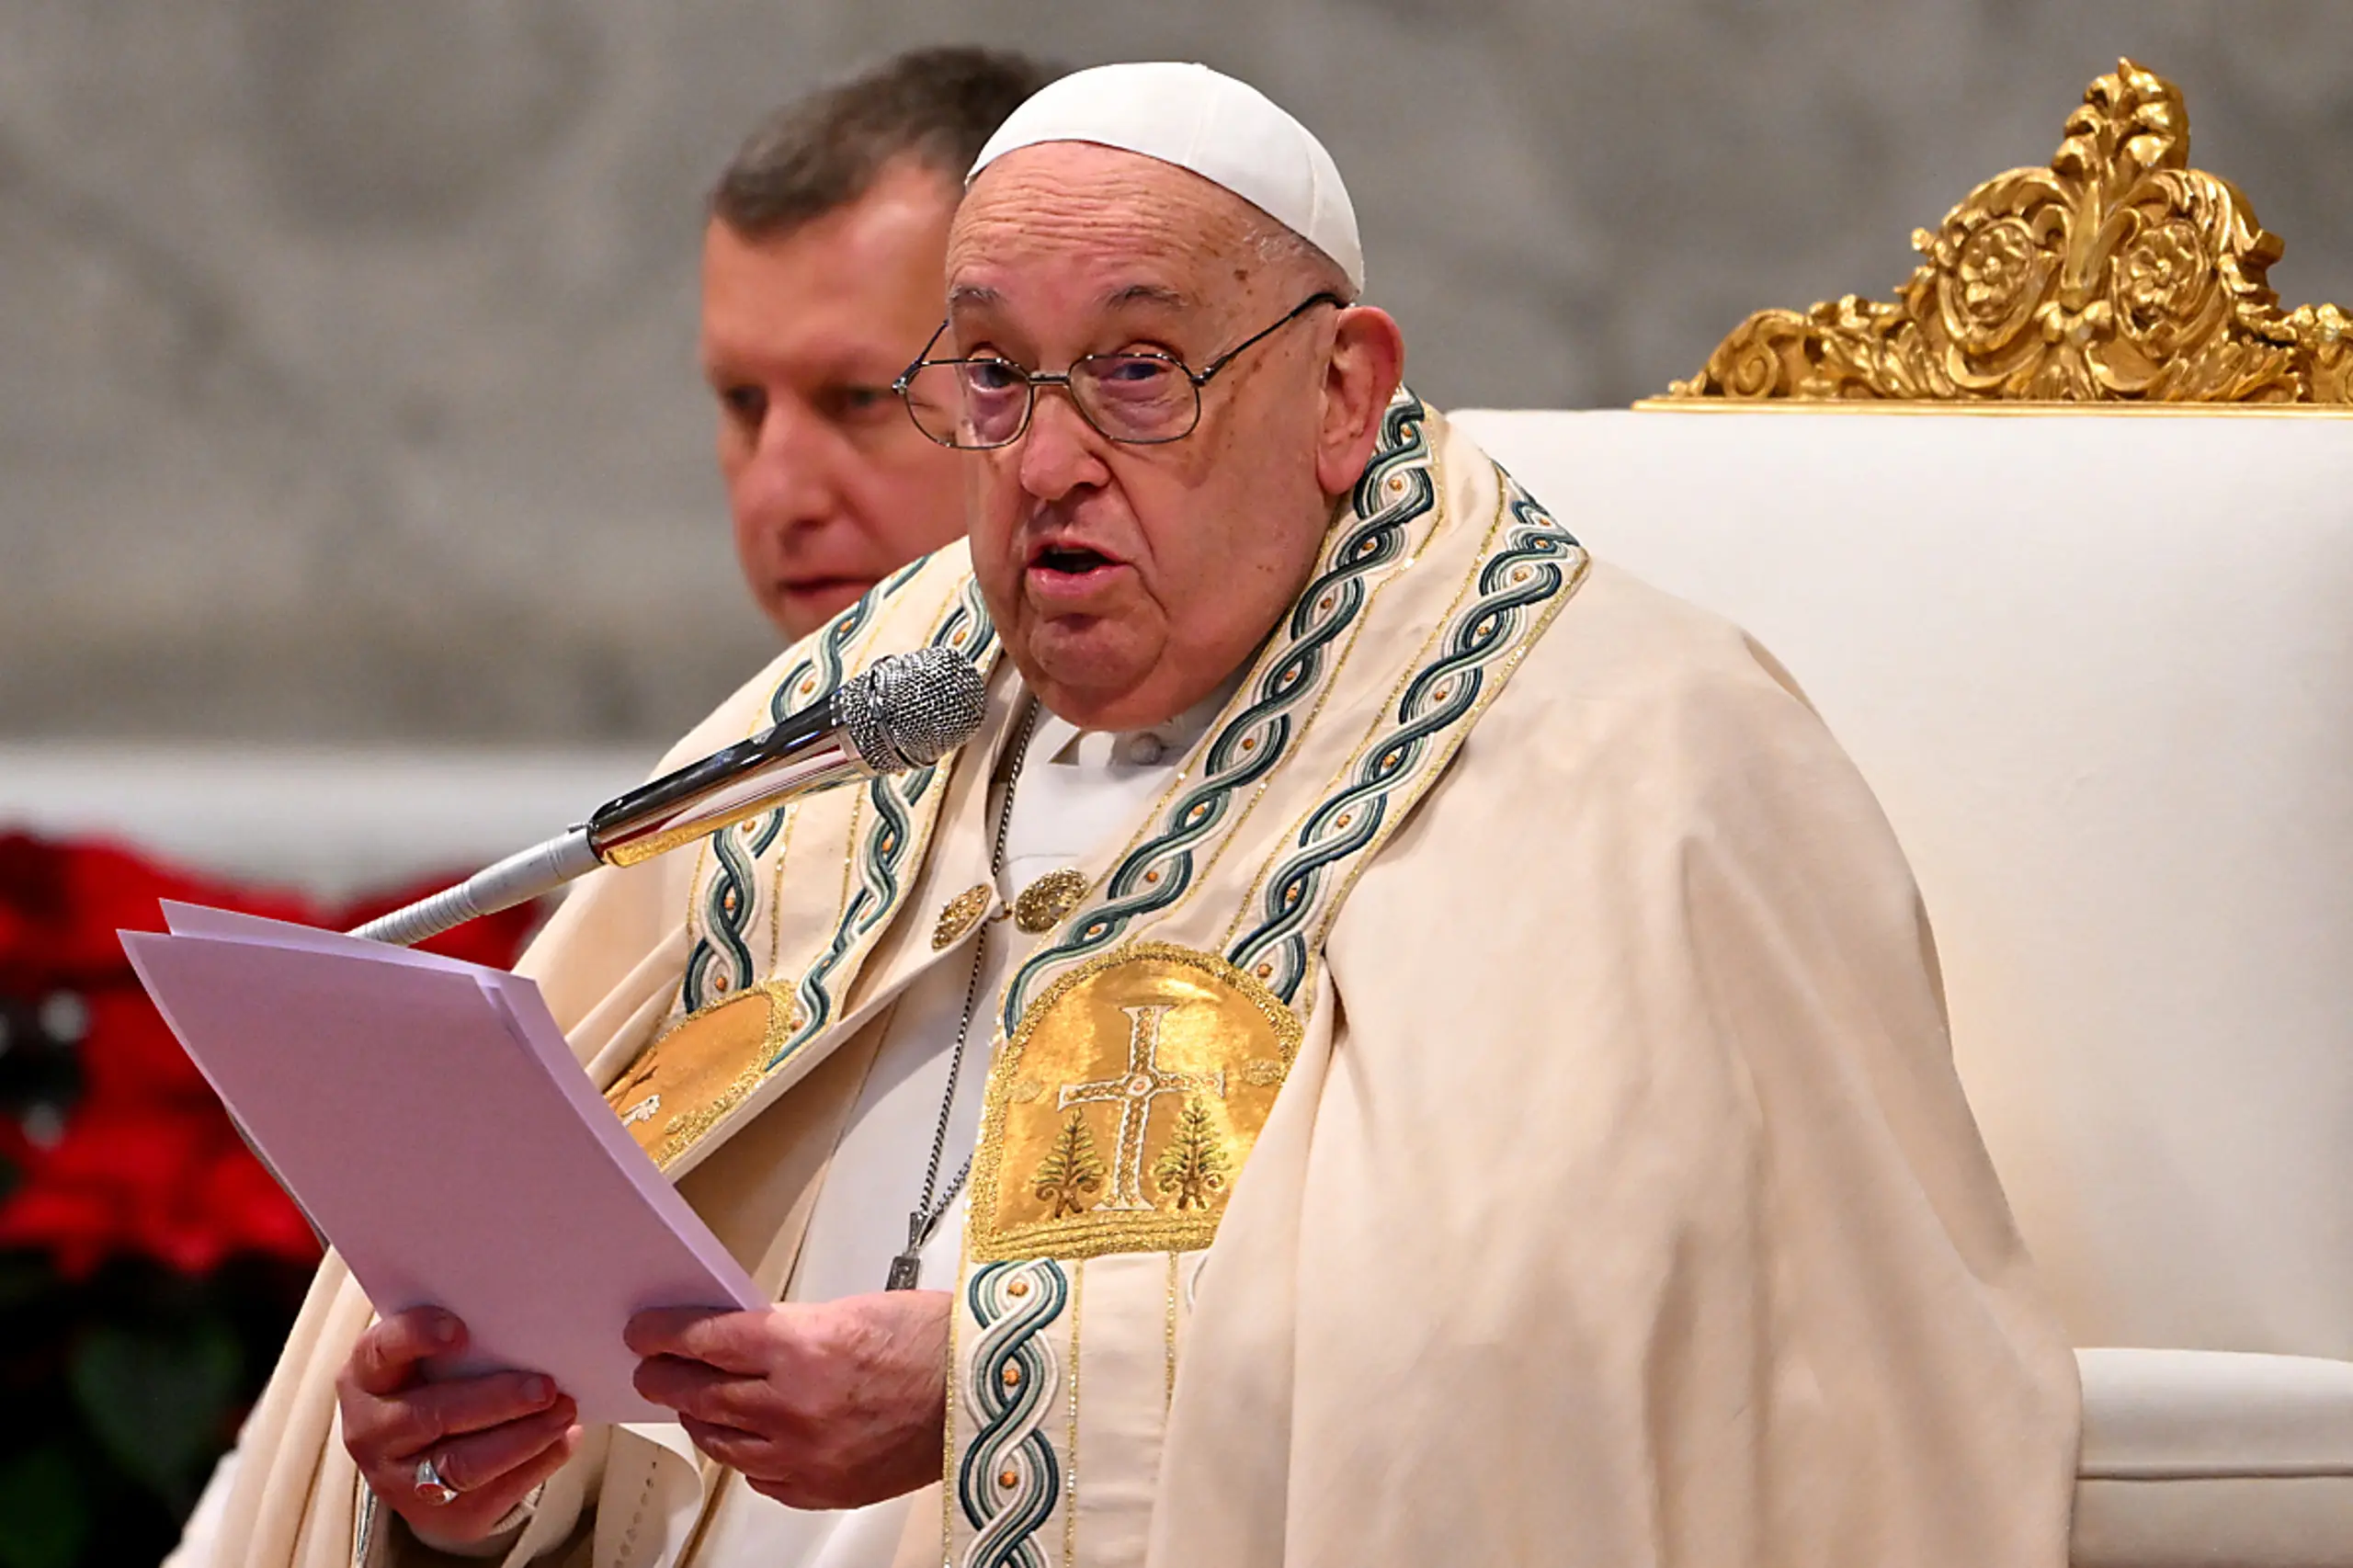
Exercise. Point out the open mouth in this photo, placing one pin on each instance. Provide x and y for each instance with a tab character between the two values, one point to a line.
1069	561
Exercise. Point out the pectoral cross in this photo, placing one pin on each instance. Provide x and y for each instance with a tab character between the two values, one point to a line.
1133	1092
906	1268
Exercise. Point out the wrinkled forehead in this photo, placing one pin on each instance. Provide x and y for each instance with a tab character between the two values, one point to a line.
1072	220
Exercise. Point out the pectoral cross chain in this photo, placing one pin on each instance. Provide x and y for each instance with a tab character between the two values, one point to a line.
906	1268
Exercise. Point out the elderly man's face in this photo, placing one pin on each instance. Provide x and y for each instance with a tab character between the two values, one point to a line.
830	488
1128	581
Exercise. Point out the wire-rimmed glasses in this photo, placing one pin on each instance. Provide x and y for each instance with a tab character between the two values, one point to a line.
1140	398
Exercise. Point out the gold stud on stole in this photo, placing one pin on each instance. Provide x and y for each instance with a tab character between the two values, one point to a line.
1041	905
958	914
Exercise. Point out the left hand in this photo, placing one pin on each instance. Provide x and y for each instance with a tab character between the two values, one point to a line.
831	1405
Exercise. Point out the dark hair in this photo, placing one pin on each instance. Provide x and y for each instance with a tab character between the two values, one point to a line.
938	106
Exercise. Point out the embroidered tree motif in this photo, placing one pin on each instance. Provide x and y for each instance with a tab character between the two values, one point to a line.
1070	1170
1193	1166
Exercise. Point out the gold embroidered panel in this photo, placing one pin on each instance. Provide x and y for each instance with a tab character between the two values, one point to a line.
702	1067
2118	274
1125	1104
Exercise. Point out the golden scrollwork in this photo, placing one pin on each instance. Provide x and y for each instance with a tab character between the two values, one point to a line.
2119	274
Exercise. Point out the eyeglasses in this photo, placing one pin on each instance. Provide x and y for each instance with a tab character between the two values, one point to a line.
1143	398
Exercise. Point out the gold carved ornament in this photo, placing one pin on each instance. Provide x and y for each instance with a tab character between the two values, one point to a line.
2119	274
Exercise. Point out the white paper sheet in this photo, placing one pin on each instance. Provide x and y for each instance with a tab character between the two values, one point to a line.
429	1117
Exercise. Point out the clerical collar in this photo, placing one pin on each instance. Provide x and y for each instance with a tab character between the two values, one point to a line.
1063	744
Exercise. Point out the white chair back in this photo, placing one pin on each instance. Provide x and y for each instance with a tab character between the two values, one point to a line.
2098	668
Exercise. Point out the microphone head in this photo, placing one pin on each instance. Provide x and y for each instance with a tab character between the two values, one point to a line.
910	709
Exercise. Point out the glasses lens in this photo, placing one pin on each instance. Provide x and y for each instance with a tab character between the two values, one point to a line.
1136	397
995	402
934	401
968	402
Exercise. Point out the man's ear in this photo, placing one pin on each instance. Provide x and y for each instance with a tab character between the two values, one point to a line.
1367	361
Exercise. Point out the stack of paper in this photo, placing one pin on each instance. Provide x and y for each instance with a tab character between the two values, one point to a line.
429	1118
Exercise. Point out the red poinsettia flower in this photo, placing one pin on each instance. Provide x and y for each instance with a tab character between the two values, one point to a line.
250	1210
130	1055
61	905
117	1180
147	1162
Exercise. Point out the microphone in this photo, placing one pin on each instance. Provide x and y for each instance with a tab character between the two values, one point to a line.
908	710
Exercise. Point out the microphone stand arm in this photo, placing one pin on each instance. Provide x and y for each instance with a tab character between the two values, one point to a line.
805	751
521	877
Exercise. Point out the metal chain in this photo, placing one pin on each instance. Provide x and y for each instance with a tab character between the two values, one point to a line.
933	1206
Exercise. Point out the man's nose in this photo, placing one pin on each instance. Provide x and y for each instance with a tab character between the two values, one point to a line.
1061	452
786	478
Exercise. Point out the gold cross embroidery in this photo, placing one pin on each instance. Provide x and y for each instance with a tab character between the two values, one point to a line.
1133	1092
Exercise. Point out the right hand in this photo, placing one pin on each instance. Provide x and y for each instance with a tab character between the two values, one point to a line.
493	1438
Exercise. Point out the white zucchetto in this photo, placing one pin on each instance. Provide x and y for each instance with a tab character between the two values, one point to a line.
1228	133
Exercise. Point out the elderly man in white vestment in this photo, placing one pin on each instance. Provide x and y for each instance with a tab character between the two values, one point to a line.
1395	1043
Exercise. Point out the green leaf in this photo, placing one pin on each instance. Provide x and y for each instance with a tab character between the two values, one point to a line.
157	1403
44	1518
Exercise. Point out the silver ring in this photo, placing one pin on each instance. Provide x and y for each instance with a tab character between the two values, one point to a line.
429	1485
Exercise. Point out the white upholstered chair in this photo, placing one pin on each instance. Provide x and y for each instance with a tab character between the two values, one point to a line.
2098	664
2099	671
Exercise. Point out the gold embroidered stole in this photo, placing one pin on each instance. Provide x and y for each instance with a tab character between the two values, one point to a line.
1141	1046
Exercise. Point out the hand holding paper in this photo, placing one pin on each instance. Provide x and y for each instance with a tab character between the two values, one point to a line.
430	1119
825	1405
492	1439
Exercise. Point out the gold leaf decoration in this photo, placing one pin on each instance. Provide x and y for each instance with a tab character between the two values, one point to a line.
1193	1167
1072	1170
2119	274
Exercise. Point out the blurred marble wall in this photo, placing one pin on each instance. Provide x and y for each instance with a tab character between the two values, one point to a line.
346	387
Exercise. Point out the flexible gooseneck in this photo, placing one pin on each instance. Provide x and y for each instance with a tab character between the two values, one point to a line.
906	711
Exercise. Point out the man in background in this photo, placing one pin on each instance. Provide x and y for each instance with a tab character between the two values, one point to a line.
821	281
